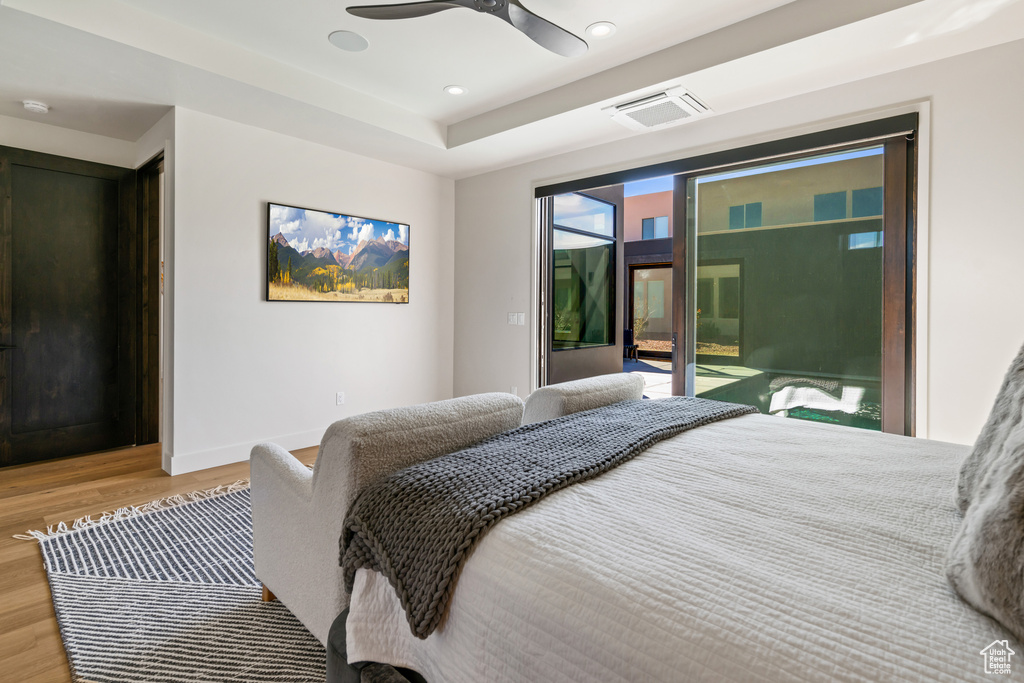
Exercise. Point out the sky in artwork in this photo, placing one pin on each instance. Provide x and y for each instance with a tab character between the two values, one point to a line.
307	229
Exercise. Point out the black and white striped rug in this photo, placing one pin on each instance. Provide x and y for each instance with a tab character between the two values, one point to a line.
170	594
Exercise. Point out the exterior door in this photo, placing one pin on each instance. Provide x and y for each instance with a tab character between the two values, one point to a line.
67	307
585	285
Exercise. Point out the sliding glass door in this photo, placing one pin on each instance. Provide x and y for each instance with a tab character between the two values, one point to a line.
796	286
778	275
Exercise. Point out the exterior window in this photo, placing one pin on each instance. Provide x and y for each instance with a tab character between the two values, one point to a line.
583	263
745	216
867	202
830	206
655	228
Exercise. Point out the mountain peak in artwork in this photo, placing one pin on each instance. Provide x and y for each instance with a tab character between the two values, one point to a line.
279	238
396	246
342	258
324	253
371	254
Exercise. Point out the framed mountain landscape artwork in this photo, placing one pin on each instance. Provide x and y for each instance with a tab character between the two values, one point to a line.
321	256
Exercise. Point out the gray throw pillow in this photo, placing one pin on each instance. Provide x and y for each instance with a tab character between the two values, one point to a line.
1004	419
986	559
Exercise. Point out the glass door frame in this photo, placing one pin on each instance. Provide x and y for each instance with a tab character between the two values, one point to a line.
559	365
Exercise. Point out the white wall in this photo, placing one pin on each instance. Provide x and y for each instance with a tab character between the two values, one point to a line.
970	241
246	370
42	137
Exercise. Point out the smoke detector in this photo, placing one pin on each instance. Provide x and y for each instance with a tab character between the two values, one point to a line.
660	110
36	107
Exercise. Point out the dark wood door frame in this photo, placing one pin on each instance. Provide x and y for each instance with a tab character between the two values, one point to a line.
148	307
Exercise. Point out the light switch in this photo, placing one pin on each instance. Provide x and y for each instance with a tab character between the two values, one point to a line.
520	318
511	318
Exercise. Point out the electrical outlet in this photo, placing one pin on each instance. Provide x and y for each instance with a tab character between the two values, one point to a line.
341	398
511	318
515	390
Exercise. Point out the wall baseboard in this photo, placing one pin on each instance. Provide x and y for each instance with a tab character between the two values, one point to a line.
202	460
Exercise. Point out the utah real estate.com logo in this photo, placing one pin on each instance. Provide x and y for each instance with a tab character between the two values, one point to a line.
997	657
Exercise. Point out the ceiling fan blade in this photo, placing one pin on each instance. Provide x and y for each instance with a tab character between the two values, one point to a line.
406	10
544	33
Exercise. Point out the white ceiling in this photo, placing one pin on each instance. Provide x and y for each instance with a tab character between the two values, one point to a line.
410	61
113	67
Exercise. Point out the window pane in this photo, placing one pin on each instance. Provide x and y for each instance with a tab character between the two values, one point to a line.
867	202
797	329
729	297
830	206
717	333
648	229
706	297
652	310
583	213
661	227
582	305
737	219
753	215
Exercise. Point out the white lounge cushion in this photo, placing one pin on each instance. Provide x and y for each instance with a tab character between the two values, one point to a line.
556	400
360	450
298	514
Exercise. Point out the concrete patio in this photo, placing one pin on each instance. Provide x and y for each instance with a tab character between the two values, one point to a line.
657	376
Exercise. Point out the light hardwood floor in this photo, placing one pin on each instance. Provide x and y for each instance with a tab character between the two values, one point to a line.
38	495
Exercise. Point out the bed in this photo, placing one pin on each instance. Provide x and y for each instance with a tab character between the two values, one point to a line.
751	548
754	548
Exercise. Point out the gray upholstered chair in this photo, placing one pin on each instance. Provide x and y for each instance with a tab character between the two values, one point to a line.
298	514
556	400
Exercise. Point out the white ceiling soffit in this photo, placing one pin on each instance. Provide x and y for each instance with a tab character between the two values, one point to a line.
113	67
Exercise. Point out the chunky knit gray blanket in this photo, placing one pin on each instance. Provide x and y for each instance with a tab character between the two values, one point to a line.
418	526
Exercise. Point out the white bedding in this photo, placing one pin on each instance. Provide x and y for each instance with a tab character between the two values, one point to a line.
756	548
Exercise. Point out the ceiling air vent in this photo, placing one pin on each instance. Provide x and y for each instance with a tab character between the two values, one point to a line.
658	111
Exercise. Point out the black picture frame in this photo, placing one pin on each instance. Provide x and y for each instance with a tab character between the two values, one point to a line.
317	255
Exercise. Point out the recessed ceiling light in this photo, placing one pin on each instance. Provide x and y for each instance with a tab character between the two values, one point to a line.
601	29
456	89
348	41
36	107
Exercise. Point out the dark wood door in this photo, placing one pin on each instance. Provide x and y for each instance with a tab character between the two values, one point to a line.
67	307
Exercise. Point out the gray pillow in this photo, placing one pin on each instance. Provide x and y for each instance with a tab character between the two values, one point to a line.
986	559
1004	418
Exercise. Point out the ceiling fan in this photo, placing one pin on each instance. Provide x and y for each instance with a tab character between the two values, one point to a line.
538	29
